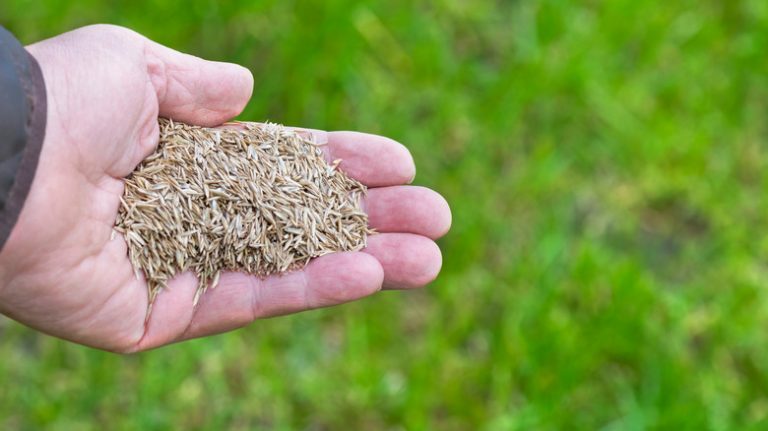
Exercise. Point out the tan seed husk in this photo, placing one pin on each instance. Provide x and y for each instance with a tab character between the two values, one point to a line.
257	198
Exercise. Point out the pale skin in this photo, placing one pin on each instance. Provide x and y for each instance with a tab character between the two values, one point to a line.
62	271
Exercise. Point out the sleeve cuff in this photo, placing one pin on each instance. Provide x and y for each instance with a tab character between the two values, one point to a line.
22	128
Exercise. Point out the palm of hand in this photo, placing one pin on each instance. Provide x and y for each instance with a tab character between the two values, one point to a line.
63	273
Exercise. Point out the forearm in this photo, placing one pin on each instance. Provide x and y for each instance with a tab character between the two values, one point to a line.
22	127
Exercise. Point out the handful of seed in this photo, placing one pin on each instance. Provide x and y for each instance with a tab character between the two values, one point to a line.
258	198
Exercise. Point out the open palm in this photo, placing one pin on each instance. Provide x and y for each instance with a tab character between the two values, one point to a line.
62	271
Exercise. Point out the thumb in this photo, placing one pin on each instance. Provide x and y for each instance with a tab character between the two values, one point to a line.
196	91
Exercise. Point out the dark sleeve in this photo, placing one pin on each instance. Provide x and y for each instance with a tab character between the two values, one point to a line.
22	127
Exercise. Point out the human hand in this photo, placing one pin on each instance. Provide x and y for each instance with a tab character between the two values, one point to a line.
60	271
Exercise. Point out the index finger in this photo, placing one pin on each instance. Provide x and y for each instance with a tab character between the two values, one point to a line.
374	160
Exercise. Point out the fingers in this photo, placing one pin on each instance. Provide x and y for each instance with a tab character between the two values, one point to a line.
394	260
409	260
239	298
196	91
408	209
373	160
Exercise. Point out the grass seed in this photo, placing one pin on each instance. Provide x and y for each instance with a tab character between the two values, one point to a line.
256	198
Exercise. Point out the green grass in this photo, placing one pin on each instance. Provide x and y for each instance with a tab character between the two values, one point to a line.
607	165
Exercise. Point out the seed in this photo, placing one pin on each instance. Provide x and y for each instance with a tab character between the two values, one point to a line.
255	198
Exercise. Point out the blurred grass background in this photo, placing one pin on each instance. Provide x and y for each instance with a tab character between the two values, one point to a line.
606	163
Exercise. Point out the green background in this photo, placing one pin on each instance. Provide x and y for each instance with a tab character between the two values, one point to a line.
606	164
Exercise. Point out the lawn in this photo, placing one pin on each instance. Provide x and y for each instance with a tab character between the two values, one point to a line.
606	163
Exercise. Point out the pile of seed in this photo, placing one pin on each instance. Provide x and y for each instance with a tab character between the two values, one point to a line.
258	198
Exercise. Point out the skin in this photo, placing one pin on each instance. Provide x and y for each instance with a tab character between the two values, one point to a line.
60	271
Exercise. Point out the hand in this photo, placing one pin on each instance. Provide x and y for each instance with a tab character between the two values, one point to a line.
62	274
